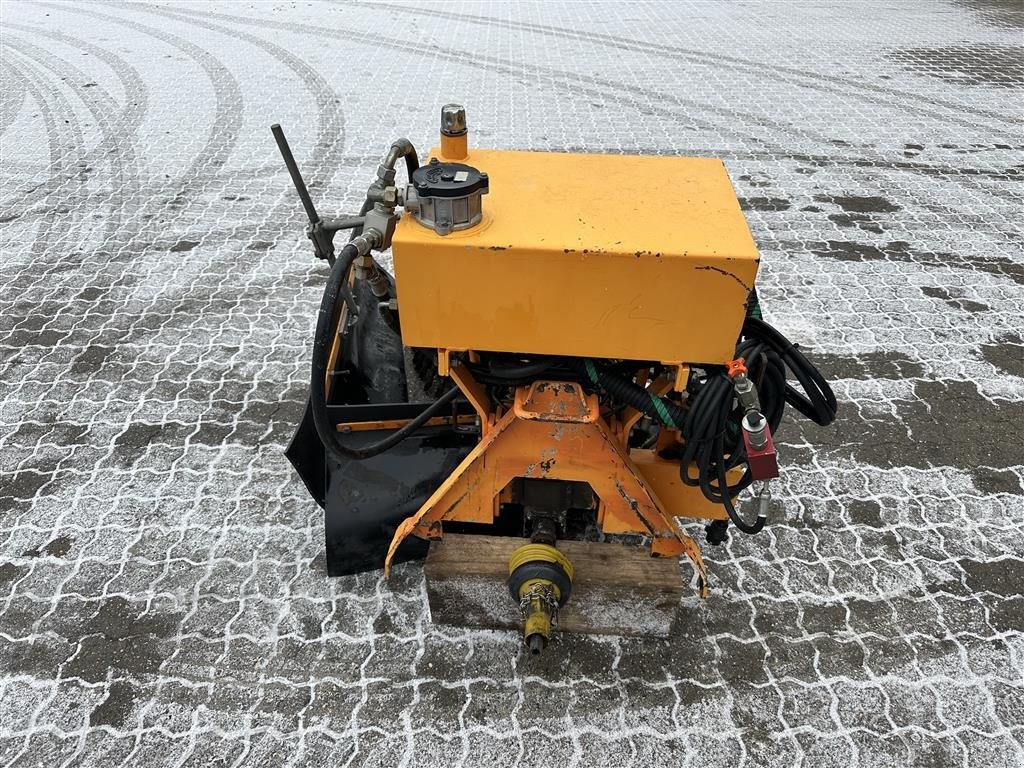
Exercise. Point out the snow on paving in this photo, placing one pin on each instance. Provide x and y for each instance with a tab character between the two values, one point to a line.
163	597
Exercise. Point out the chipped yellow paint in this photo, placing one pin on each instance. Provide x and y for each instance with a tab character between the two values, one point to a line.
521	444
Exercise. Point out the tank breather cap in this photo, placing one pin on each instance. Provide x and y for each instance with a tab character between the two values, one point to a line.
453	120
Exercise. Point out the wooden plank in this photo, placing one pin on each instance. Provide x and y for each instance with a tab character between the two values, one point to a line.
617	589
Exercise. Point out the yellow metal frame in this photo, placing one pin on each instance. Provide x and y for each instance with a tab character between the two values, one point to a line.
582	256
554	431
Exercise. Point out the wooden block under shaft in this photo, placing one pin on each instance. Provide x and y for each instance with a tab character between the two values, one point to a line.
617	590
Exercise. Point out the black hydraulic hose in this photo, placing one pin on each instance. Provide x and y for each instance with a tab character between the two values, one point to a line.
336	295
820	403
712	434
710	425
525	371
703	426
624	391
412	163
327	320
705	433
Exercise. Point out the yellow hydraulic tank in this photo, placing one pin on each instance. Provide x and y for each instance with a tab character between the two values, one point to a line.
610	256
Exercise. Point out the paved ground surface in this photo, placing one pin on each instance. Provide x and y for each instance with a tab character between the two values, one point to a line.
163	599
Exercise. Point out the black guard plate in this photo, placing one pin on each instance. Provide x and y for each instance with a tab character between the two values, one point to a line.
364	501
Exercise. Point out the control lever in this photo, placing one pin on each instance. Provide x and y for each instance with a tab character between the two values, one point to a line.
320	232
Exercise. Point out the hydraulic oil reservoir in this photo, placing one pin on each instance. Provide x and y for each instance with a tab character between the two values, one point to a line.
587	255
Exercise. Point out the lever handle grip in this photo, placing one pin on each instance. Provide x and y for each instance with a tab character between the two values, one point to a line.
293	171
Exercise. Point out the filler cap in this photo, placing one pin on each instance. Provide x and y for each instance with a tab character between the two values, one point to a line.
437	179
453	120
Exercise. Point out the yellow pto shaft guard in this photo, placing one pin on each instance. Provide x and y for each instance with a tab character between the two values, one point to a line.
540	580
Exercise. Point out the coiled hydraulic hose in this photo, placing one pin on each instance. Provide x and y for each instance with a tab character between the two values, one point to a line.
710	426
712	433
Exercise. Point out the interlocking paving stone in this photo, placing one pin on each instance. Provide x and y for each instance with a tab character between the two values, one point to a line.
163	596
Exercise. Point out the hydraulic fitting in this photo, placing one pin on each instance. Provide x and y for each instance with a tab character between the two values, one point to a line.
540	581
757	437
764	497
746	393
366	269
385	196
386	170
366	242
755	425
382	218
